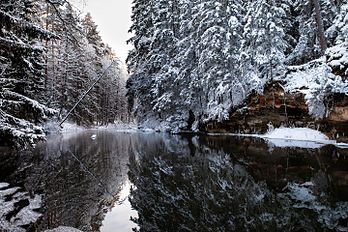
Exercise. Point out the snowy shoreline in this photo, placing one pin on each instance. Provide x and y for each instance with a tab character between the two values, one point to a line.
292	137
280	137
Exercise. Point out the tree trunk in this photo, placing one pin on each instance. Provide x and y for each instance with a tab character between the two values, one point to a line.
320	27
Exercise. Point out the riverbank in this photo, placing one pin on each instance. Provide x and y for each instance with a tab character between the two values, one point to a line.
278	108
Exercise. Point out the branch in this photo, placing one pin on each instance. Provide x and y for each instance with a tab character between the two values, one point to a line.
54	5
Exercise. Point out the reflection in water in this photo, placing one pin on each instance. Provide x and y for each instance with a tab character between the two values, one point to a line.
79	178
119	217
87	174
178	183
229	184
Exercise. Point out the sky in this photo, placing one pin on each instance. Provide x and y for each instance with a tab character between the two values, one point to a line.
113	18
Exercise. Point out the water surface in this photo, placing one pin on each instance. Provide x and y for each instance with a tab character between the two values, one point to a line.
117	181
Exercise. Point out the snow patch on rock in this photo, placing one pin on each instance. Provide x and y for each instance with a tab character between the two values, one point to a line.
316	81
3	185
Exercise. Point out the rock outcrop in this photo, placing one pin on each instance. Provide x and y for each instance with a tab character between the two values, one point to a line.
276	107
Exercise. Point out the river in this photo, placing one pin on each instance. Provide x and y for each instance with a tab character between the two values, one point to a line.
102	180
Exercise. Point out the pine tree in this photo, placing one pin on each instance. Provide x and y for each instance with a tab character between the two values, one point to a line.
139	83
22	65
339	28
313	19
164	49
264	42
184	88
195	60
75	60
218	36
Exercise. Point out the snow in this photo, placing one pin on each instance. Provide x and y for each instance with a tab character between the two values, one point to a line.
9	198
297	137
342	145
21	99
316	81
152	125
28	214
63	229
338	56
119	126
296	134
292	137
71	128
25	131
3	185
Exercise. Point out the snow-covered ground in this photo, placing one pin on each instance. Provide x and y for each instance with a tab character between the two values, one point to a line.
68	128
15	199
297	137
71	128
119	127
64	229
293	137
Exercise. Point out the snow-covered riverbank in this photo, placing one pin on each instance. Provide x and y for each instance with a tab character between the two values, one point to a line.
293	137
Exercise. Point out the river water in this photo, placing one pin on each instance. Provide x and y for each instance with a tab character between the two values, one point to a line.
107	181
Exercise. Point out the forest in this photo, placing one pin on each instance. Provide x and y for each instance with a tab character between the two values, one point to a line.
227	115
50	54
203	65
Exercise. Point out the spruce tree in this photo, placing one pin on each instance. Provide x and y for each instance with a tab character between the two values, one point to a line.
139	82
22	76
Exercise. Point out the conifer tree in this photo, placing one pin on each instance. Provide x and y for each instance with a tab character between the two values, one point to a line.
139	82
22	76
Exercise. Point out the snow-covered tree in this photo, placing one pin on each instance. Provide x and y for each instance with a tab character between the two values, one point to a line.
264	44
339	28
49	58
142	28
75	61
195	61
22	76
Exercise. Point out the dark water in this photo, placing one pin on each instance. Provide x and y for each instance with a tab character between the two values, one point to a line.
160	182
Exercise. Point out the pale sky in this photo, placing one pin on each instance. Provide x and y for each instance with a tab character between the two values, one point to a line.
113	18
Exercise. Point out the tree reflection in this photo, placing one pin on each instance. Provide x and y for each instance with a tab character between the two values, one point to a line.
208	189
80	178
183	183
177	192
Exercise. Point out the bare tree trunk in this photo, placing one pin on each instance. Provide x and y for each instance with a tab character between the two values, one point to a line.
320	27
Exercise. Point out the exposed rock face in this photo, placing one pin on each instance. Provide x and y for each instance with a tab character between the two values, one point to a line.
279	108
